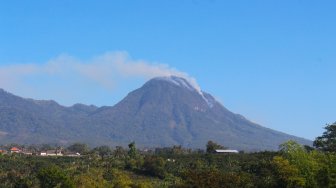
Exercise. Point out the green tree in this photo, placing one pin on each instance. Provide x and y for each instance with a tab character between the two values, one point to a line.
305	162
53	176
212	146
155	166
47	147
79	148
103	151
118	178
327	142
288	175
119	152
132	153
213	178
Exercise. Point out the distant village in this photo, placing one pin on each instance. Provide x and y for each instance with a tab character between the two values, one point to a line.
55	152
61	152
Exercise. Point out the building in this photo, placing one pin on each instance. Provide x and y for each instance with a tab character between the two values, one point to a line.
72	154
226	151
15	150
27	152
51	153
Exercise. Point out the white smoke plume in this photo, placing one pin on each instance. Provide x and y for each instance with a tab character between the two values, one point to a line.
107	70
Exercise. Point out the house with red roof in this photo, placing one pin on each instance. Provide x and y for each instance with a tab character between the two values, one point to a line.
2	151
15	150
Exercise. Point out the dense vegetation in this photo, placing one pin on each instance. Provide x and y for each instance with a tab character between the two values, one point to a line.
292	166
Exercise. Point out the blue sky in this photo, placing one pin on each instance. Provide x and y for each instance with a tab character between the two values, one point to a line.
271	61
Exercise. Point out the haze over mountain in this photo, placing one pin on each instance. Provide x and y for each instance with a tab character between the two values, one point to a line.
165	111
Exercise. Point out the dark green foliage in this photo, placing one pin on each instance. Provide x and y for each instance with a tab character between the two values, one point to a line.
79	148
327	142
132	152
212	178
212	146
45	147
53	176
18	180
288	175
175	150
154	166
103	151
119	152
292	167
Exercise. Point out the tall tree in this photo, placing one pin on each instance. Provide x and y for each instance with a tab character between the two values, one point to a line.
79	147
119	152
132	150
288	175
212	146
302	160
103	151
327	142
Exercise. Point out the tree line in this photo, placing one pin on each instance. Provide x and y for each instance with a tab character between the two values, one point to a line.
293	165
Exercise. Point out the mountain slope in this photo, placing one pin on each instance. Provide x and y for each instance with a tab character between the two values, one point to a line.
37	121
165	111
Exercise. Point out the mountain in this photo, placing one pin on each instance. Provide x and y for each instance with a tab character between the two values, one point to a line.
165	111
38	121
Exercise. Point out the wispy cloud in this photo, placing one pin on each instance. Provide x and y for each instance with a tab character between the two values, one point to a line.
108	71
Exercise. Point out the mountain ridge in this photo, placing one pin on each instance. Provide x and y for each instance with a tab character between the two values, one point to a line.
163	112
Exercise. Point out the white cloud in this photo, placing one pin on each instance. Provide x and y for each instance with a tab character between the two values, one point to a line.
108	71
